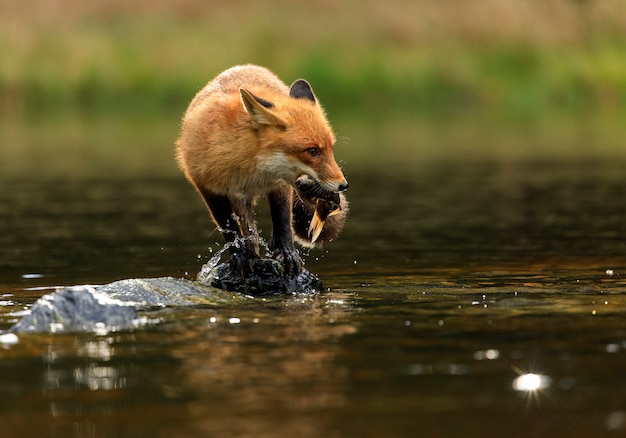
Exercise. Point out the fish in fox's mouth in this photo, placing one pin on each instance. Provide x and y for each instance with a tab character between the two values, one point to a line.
327	203
311	190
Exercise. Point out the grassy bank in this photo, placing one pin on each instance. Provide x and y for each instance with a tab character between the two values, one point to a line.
517	58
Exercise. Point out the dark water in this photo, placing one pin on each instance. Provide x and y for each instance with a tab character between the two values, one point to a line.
453	278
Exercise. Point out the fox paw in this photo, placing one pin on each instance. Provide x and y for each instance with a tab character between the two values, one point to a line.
243	263
290	260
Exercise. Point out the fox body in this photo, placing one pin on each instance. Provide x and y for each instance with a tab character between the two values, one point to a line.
245	135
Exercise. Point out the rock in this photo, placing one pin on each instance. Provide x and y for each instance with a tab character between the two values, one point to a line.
268	278
166	291
77	309
115	306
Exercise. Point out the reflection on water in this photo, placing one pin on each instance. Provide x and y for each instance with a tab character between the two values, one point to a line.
531	382
272	363
481	298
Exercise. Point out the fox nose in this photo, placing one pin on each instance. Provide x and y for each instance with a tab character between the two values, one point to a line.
343	186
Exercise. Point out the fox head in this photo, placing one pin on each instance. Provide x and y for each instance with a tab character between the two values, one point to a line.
294	136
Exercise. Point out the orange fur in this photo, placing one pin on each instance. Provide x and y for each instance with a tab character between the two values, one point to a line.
222	150
246	134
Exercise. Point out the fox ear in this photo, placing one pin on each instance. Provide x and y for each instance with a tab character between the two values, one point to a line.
301	89
259	109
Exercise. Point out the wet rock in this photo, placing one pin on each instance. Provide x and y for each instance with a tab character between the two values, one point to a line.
166	291
76	309
115	306
268	278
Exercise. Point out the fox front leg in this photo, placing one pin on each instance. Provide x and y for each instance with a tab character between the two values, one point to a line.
242	256
281	243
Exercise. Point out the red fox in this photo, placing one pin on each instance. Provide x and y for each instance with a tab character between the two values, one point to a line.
245	135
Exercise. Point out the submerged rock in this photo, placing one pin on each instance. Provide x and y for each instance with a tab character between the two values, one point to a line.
115	306
268	278
166	291
77	309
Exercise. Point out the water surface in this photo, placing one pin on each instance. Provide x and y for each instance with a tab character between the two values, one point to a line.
453	278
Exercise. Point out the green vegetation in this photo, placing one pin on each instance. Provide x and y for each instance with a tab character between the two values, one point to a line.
509	57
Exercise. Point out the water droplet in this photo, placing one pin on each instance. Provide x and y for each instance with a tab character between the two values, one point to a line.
234	320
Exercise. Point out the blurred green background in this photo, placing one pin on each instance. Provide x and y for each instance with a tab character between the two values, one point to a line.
503	77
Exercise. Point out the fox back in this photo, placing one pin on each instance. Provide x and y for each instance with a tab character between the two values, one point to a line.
246	132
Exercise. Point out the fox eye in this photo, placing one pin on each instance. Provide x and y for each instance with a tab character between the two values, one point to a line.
314	152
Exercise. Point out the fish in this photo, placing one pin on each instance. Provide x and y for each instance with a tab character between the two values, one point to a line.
327	203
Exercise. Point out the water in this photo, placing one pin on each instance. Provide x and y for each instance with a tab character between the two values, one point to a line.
479	297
